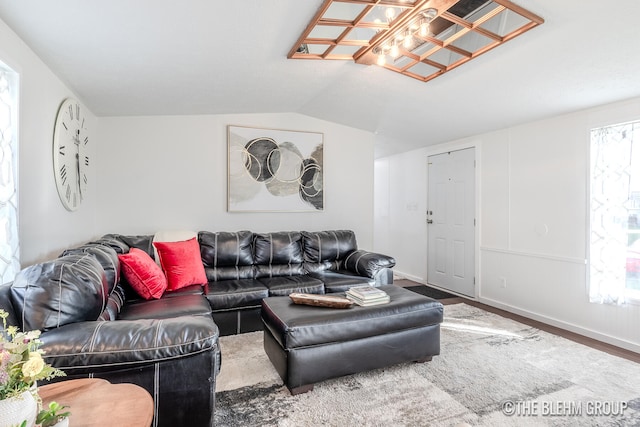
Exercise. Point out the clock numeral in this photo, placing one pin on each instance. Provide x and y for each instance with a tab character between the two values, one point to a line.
86	140
61	150
65	126
86	160
82	126
63	174
68	193
84	178
71	112
78	111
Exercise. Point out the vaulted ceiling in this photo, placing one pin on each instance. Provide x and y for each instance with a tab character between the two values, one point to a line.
162	57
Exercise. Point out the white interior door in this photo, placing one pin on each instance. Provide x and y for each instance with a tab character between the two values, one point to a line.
451	221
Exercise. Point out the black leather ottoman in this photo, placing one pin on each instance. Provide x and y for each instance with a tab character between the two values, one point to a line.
309	344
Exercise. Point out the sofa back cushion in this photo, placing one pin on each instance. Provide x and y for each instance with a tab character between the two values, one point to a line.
227	255
278	254
69	289
113	242
106	256
326	250
322	246
143	242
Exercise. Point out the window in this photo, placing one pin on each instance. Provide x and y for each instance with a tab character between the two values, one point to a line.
9	244
614	255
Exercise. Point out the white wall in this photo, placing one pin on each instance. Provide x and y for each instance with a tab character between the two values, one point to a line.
532	210
153	173
44	225
167	173
399	218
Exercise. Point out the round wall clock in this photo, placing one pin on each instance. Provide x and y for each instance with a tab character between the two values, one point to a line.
71	154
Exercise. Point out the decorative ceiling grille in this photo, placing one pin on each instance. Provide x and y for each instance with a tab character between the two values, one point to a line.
366	32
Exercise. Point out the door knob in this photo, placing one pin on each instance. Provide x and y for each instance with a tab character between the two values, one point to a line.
429	221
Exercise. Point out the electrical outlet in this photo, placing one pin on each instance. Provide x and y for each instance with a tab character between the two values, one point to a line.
503	282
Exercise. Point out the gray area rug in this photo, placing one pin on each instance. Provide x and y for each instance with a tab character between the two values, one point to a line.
492	371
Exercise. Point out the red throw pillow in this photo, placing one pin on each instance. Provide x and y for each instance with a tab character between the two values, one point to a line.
181	263
143	274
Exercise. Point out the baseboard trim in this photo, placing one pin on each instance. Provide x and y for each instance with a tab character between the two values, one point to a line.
399	275
567	326
551	321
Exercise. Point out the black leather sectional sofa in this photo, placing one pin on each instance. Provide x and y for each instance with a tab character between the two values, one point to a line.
94	324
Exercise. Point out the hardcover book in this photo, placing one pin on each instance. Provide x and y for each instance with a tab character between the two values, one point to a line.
367	292
367	295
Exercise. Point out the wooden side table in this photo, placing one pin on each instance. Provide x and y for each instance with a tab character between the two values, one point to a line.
97	402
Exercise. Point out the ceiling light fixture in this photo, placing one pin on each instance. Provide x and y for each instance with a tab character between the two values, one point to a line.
422	39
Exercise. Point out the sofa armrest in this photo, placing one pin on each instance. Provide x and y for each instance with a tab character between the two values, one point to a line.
369	264
87	347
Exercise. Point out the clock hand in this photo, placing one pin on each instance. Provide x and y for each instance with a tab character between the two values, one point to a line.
76	140
78	174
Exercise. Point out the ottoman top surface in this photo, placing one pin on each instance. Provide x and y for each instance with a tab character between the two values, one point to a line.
295	325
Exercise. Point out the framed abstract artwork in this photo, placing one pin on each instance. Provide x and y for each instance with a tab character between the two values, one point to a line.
271	170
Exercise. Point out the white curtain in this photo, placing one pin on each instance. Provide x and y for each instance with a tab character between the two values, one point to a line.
9	244
611	149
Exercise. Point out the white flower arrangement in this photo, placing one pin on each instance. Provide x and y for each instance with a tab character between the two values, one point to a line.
21	363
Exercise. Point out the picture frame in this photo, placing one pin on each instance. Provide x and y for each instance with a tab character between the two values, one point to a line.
274	170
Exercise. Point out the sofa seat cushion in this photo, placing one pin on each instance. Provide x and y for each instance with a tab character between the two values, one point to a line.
235	293
284	285
187	290
109	346
165	308
295	326
341	281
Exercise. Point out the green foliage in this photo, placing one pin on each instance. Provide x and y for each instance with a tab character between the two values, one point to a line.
52	416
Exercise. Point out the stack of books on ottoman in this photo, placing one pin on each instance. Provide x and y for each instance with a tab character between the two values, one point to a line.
367	295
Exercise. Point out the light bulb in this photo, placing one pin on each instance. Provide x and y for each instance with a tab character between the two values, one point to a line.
424	29
395	52
408	40
390	13
377	21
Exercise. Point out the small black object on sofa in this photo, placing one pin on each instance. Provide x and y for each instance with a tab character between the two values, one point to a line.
94	324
